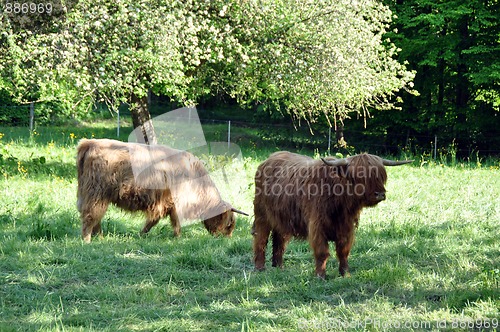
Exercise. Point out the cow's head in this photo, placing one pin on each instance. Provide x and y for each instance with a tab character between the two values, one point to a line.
366	174
222	223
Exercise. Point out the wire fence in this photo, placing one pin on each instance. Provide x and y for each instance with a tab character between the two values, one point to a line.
324	139
288	136
18	115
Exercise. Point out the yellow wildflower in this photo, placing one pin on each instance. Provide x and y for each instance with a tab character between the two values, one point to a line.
22	169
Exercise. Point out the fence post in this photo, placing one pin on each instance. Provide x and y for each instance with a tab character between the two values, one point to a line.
229	134
118	122
32	116
435	146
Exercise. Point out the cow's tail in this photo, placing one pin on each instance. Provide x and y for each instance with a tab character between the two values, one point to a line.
82	150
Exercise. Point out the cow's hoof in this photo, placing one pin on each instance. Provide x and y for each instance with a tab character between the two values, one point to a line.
345	273
321	276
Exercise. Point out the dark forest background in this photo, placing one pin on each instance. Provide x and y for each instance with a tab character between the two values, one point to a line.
453	46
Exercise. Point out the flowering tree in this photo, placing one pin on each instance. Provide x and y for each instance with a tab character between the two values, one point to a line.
319	58
309	59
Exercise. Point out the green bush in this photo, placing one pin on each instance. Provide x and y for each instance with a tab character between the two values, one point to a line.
14	115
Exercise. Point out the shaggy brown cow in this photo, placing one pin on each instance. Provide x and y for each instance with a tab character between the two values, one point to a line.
157	180
317	200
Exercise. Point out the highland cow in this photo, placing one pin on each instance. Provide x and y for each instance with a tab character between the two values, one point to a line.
318	200
157	180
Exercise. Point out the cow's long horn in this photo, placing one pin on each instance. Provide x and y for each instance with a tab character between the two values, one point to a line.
395	163
336	162
239	211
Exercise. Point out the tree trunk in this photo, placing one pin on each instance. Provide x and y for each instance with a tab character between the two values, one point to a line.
339	134
139	109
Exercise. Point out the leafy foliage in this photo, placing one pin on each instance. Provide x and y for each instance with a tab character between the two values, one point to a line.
454	48
313	59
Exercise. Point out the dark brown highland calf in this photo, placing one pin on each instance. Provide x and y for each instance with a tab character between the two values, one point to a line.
158	180
317	200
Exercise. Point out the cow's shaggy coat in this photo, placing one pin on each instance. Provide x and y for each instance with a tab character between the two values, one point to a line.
158	180
317	200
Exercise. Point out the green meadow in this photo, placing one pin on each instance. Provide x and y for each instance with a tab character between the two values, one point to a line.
427	258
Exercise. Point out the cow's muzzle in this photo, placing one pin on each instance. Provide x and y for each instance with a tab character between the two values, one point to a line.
380	196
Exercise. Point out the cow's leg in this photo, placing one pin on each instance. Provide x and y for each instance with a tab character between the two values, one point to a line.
321	254
319	245
91	215
343	247
260	232
174	221
96	230
279	245
150	222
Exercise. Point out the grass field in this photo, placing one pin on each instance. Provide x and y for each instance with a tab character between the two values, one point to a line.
427	258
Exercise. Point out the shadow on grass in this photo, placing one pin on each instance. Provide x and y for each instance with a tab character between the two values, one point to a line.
38	167
201	282
39	225
51	280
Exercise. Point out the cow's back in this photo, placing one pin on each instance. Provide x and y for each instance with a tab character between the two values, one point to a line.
281	196
102	166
